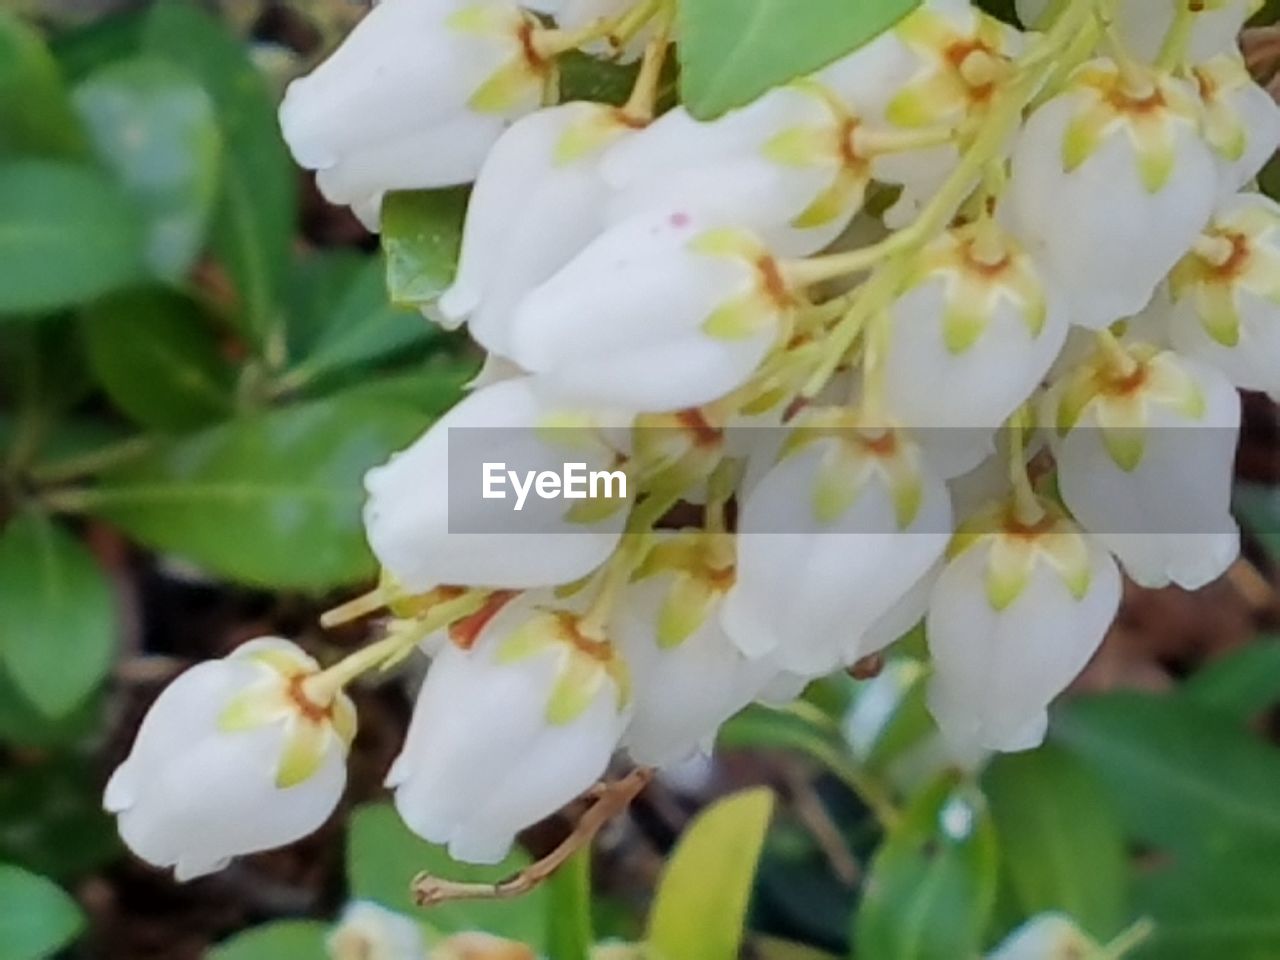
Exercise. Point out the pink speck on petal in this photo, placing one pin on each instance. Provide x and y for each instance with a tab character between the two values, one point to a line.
679	219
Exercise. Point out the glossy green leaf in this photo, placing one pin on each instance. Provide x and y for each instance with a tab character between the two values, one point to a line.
1184	777
731	51
362	326
931	888
36	917
271	500
156	357
153	126
421	237
57	615
1061	844
1241	684
282	940
254	220
35	110
383	857
67	235
700	907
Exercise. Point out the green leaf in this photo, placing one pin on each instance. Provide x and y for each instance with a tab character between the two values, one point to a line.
931	888
421	237
157	359
51	816
153	126
1061	843
35	111
254	221
1184	777
271	500
584	77
699	910
1241	684
1257	506
282	940
383	857
731	51
57	615
36	917
569	934
362	327
80	50
67	235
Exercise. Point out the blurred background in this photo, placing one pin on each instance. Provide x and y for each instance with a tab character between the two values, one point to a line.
199	359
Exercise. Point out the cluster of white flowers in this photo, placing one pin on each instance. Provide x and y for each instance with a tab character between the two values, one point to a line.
1031	376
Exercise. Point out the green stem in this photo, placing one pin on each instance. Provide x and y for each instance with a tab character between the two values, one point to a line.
94	461
569	928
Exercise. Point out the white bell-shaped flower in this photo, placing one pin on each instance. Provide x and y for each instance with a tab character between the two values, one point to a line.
1110	184
1014	616
466	504
898	620
1145	442
518	715
539	200
1241	119
1048	936
973	335
413	98
1143	25
830	539
368	931
1226	294
656	315
688	676
237	755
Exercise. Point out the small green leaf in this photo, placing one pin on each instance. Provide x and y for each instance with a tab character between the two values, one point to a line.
155	355
35	110
1061	844
36	917
732	51
254	221
1241	684
82	49
421	237
584	77
700	907
271	500
282	940
383	857
67	235
153	126
57	615
932	885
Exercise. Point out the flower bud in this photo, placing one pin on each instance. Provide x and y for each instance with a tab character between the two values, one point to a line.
830	539
656	315
413	98
1110	184
368	931
1226	294
1241	119
1048	936
517	716
428	519
538	201
1014	616
235	756
688	675
1145	453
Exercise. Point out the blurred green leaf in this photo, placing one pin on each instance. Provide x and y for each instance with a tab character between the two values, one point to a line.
1061	843
67	235
36	917
57	615
931	887
1257	505
1184	777
318	280
766	948
51	816
421	237
699	909
584	77
81	50
383	857
569	933
153	126
271	500
362	326
254	221
157	359
731	52
282	940
35	110
430	388
1241	684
